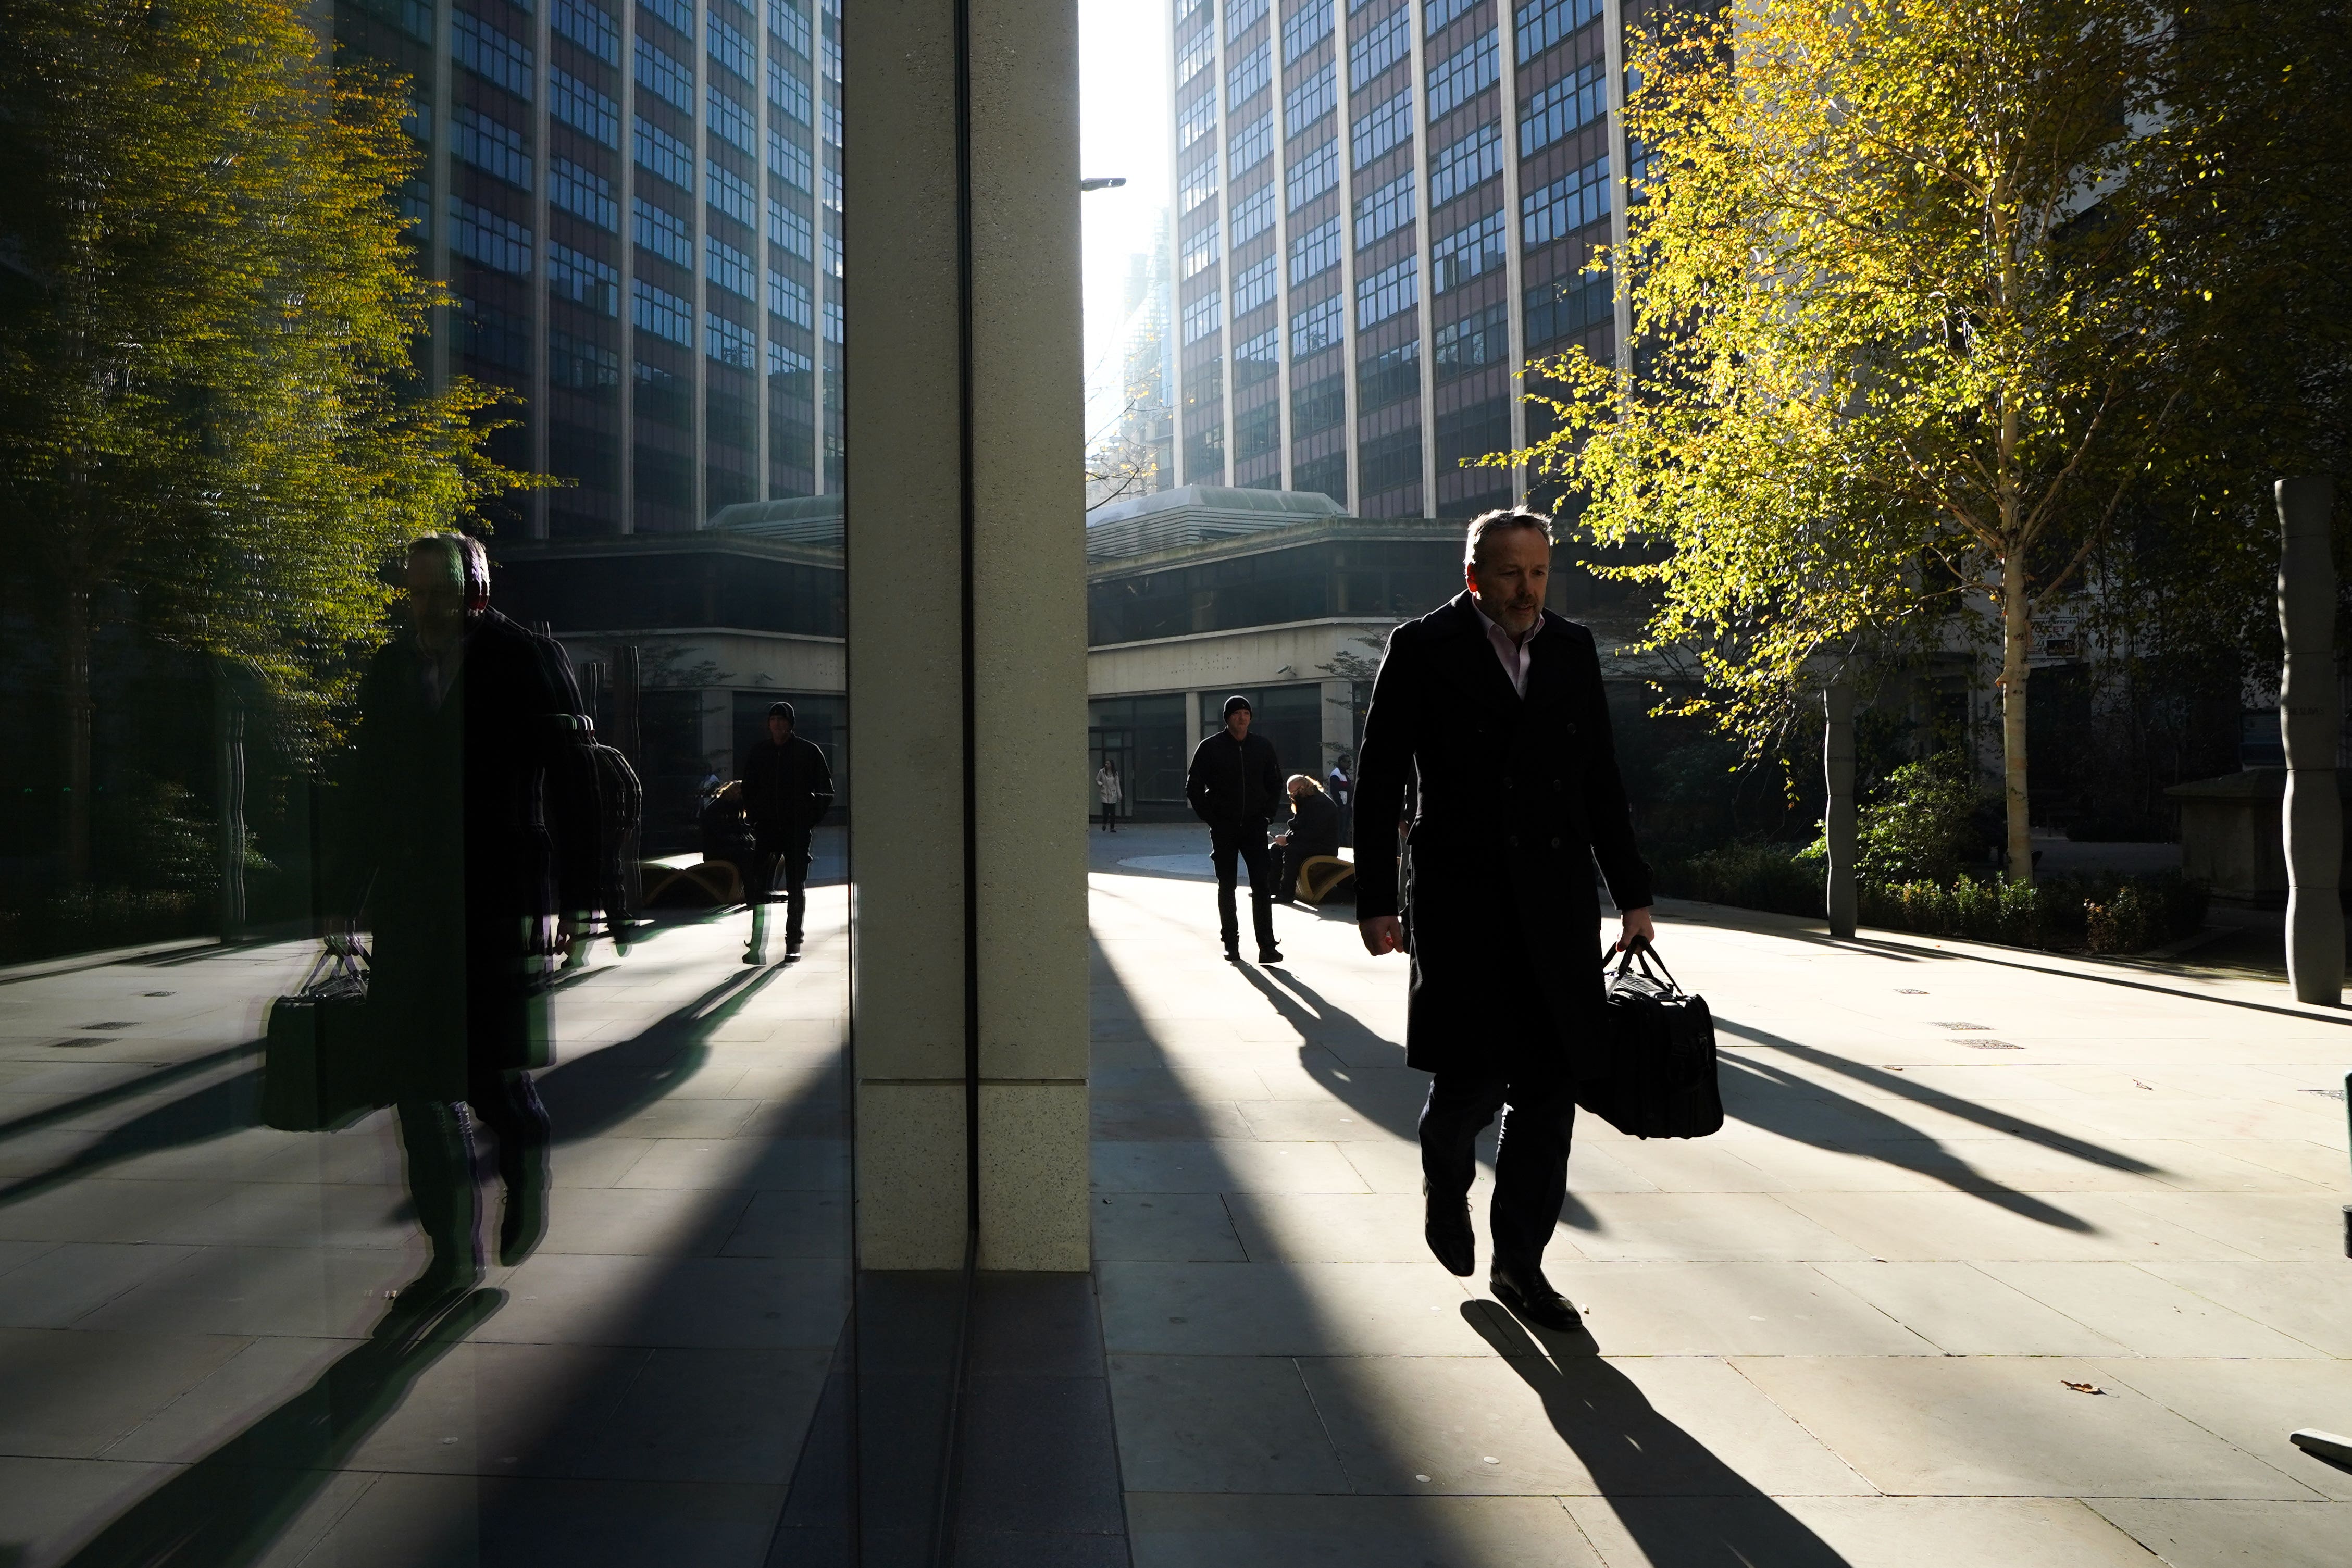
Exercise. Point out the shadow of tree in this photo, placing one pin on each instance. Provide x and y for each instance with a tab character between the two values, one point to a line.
2002	1121
1649	1471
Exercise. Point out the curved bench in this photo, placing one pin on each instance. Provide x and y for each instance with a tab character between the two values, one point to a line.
717	880
1320	875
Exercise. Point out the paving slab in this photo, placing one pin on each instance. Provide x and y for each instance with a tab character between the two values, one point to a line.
1840	1331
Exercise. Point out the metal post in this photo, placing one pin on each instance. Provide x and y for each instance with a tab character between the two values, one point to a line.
1839	817
228	734
2312	816
628	675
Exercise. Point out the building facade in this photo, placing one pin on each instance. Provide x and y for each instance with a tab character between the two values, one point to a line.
637	205
1383	208
1200	592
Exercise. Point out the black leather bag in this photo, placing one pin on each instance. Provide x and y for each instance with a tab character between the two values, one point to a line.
321	1068
1661	1050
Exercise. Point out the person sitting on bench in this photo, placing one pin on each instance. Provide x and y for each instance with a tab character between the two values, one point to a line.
1314	830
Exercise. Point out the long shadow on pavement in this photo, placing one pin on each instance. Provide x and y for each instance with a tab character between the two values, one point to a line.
681	1385
1684	1506
1776	1102
231	1505
2003	1121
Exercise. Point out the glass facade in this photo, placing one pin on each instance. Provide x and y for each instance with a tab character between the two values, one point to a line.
1446	169
712	131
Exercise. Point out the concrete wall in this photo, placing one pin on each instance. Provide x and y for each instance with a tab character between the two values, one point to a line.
914	950
1254	657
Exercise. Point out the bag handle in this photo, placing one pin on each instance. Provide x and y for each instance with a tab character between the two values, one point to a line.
1642	948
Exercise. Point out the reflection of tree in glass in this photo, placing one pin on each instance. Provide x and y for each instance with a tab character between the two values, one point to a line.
210	418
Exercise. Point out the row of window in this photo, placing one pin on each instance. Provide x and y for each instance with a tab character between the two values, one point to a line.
1247	77
1384	211
1386	42
1463	75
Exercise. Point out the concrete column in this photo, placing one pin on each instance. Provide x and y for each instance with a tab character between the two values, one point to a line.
967	633
1839	816
2312	816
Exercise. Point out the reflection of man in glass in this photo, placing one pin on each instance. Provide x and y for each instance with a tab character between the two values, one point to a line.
471	827
787	789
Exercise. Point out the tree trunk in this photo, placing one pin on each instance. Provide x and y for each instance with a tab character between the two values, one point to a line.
74	691
2016	642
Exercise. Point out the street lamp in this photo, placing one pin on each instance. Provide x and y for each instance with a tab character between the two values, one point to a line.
1103	183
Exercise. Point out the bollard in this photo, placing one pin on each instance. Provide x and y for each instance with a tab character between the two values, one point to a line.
2311	816
1838	813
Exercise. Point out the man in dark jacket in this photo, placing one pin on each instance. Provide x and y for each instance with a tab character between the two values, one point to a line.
787	789
472	827
1235	785
1494	706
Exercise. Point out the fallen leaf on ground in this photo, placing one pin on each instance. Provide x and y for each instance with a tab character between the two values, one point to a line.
2083	1387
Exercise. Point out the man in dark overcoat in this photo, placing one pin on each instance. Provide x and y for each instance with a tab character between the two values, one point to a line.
470	834
787	790
1491	709
1234	785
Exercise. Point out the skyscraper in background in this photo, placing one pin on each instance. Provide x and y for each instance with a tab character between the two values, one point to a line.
639	204
1135	454
1384	207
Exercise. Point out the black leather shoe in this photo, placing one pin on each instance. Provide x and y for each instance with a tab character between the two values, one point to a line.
1450	1234
1269	955
1531	1298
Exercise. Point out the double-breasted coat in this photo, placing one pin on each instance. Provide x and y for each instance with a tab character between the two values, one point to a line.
1514	798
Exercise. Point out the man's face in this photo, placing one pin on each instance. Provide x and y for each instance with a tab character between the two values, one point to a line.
436	597
1509	579
779	729
1237	722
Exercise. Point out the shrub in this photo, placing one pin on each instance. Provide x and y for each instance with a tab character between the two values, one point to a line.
1921	826
1748	875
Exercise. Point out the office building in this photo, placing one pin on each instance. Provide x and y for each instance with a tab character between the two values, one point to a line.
1384	207
637	206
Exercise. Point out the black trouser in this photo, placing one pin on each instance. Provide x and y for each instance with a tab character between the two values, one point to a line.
1110	817
1531	1153
438	1137
783	857
1247	842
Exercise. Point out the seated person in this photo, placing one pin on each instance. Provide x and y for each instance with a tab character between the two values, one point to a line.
727	835
1314	830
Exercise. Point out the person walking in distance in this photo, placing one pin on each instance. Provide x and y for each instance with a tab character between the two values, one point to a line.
1343	791
787	789
472	830
1234	785
1492	708
1107	787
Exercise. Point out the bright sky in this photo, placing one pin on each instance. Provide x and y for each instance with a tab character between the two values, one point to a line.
1124	129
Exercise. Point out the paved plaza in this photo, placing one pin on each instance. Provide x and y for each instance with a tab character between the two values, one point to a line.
2003	1258
193	1308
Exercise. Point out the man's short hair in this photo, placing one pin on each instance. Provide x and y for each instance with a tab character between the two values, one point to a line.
1491	523
1297	779
473	562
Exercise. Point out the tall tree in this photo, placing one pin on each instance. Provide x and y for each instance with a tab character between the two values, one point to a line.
207	316
1906	336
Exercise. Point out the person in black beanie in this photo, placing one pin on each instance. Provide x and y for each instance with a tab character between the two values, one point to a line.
787	790
1234	785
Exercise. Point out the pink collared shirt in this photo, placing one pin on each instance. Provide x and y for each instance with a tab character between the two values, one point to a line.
1513	651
